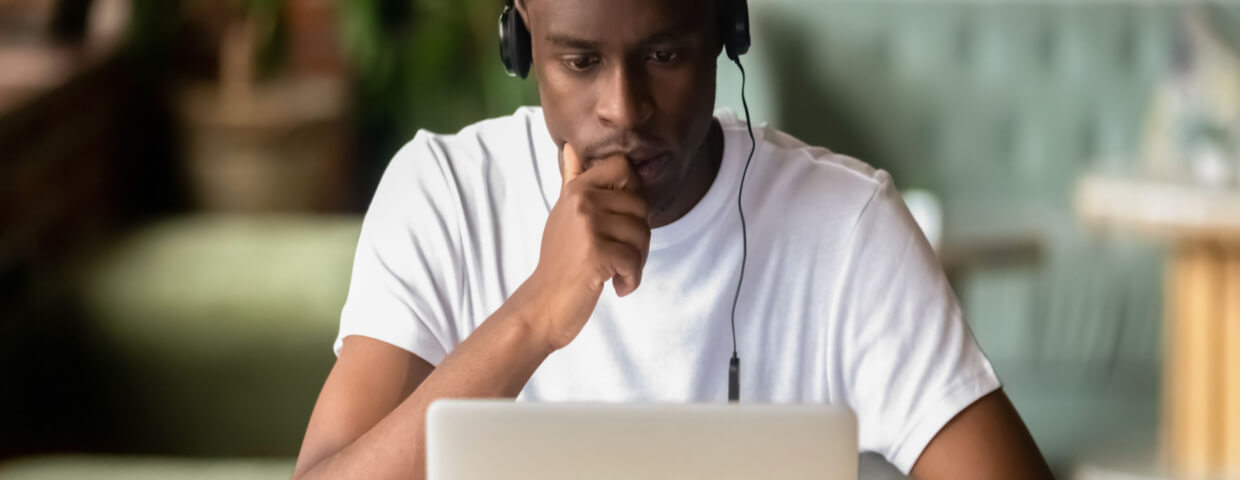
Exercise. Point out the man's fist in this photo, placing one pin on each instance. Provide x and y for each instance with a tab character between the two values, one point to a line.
597	231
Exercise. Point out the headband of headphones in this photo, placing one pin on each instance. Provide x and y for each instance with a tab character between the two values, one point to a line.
514	39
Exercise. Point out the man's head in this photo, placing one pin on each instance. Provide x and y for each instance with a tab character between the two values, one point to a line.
634	77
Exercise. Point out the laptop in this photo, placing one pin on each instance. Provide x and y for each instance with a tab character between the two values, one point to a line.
490	439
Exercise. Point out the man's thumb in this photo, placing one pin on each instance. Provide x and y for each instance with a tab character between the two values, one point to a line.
572	164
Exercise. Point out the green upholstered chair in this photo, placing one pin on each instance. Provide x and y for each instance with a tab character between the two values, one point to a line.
106	467
997	108
218	329
212	337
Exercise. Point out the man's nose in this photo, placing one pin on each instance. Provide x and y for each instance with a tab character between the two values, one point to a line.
624	102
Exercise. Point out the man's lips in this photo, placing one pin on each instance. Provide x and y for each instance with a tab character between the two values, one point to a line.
646	159
636	157
640	160
649	168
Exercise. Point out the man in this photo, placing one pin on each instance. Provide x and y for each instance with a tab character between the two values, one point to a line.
482	271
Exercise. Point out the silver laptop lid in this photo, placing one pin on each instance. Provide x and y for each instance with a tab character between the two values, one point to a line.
489	439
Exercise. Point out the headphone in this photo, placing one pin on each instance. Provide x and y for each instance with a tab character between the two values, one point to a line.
514	38
515	53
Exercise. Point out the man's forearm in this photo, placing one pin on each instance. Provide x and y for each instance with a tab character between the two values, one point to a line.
597	232
495	361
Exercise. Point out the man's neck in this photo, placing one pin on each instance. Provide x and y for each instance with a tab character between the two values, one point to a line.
702	171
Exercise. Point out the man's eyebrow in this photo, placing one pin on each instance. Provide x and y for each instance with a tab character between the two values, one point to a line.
571	41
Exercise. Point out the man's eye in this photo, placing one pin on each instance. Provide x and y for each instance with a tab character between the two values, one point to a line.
664	56
580	62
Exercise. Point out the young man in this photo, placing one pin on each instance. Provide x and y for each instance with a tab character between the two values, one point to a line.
484	261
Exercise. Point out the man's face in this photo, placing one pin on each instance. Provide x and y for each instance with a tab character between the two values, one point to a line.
631	77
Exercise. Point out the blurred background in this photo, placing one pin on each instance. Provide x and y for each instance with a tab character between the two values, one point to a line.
182	183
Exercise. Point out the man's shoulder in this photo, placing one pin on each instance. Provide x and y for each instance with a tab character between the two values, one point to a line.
818	163
470	166
520	125
796	174
477	140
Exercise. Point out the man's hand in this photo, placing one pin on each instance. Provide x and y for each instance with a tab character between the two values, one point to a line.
597	231
369	421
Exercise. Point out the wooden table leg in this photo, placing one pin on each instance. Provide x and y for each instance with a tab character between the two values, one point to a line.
1192	397
1200	436
1231	361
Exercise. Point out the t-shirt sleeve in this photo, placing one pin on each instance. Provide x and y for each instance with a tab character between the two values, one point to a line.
406	269
909	362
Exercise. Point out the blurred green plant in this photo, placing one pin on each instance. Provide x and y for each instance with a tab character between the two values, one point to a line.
430	64
415	64
152	30
272	35
156	24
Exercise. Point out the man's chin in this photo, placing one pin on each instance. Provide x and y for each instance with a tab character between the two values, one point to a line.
659	200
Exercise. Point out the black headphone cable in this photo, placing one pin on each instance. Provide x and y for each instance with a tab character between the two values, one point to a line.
734	365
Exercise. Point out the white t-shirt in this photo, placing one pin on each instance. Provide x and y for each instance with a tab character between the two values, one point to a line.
843	300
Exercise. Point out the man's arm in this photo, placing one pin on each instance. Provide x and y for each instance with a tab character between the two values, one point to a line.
986	440
367	424
363	387
369	421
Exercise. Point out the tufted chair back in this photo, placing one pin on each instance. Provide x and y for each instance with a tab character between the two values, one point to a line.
997	108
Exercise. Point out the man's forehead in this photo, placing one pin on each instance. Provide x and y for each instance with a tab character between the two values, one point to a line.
630	19
692	4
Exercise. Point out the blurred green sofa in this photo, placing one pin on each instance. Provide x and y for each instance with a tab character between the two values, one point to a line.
214	332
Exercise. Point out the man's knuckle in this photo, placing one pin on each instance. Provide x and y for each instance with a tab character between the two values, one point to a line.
580	203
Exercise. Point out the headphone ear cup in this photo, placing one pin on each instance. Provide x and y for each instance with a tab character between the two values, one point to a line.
735	28
523	54
514	43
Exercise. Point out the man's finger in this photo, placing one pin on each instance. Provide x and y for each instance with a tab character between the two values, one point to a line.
614	173
627	230
572	163
626	262
621	202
